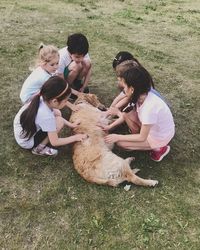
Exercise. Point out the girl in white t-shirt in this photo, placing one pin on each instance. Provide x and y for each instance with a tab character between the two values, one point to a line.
45	66
150	112
36	123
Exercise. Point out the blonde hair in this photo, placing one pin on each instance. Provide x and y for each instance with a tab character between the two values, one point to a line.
45	54
124	66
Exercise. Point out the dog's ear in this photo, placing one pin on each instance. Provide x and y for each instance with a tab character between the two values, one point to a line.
93	99
80	97
95	102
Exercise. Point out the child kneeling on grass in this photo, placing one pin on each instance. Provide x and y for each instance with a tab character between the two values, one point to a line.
45	67
151	113
74	63
123	61
36	123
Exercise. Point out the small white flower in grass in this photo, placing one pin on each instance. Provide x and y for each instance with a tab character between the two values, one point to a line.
74	198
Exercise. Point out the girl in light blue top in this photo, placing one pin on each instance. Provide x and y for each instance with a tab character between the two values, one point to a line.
45	67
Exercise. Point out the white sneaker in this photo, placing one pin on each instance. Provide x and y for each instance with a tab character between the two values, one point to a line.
44	151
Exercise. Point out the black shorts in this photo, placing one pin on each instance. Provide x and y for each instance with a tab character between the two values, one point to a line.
39	137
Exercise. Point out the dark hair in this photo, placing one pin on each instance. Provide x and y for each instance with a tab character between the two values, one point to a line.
121	57
127	58
77	44
139	79
54	88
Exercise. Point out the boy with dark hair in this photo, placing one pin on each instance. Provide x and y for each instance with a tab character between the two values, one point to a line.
75	63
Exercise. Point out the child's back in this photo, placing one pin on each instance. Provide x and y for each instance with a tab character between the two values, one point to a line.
33	83
47	64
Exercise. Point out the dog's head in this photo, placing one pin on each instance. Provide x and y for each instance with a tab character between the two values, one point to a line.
91	99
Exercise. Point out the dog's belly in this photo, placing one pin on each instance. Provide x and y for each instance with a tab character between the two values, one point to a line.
88	117
93	158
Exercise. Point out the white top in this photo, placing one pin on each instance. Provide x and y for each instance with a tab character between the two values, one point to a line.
45	121
154	111
33	84
65	59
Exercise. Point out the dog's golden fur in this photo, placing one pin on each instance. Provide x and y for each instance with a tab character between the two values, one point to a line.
93	158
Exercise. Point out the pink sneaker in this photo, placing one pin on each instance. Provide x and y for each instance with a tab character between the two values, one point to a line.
159	155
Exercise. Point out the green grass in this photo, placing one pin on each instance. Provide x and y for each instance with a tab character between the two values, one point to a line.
45	204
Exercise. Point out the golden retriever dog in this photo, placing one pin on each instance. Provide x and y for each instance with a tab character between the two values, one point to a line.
93	158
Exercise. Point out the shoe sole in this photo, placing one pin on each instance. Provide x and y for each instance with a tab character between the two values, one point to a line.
34	153
166	152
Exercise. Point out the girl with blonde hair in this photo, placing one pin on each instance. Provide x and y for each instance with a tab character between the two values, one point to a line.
45	66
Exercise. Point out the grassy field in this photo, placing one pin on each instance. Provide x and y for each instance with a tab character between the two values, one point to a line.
44	203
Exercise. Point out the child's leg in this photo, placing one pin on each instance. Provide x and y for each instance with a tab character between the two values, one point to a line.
86	65
134	145
74	71
77	72
132	121
40	144
41	139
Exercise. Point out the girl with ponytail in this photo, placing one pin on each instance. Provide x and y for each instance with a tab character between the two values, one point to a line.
37	124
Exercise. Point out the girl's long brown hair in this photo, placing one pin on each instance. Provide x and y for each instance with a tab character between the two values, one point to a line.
54	88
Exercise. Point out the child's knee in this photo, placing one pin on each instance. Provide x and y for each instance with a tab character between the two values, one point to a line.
86	66
76	68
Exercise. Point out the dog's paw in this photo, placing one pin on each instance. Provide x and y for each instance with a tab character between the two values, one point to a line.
153	183
130	159
135	170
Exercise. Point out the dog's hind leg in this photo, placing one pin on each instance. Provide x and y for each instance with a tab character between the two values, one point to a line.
101	181
111	182
131	177
129	159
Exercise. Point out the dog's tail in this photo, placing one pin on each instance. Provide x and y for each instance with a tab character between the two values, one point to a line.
132	177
